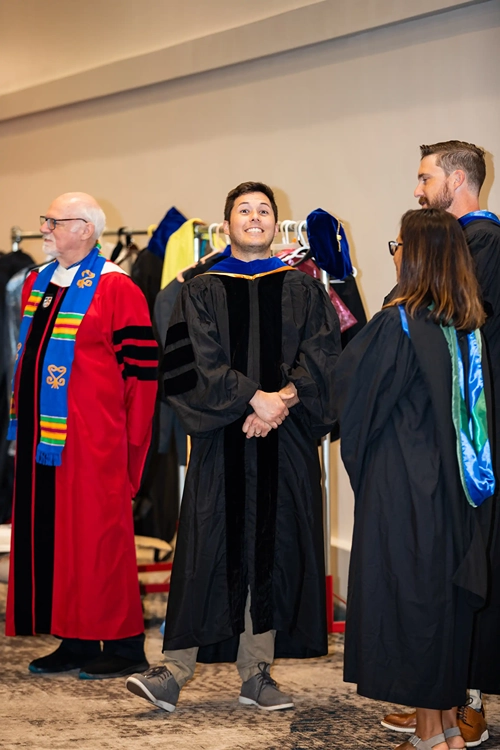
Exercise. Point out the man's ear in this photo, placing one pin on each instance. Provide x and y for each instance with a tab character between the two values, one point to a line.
225	226
276	229
88	231
457	178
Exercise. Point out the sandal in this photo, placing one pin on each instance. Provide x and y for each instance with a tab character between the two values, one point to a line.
454	732
421	744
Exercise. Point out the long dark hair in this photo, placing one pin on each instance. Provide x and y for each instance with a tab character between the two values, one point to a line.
437	270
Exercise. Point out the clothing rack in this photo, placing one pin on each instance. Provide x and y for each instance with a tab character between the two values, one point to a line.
216	229
17	235
204	229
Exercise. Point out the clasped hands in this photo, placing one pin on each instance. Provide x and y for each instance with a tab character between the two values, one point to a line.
269	410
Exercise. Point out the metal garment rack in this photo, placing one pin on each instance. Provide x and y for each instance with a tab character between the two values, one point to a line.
17	235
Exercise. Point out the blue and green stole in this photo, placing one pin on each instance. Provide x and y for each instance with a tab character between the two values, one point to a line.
469	415
59	355
470	419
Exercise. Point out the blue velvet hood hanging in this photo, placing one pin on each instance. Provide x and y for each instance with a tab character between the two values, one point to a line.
328	242
170	223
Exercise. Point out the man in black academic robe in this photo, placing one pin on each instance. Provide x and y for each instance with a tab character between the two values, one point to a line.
248	367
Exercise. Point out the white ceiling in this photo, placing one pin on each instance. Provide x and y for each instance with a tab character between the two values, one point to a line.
42	41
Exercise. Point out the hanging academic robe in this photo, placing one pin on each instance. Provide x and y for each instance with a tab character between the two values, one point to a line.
10	265
73	569
156	507
418	567
251	515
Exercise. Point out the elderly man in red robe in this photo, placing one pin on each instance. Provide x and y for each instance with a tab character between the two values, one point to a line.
84	389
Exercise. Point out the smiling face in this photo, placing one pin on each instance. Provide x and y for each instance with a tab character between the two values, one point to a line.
251	227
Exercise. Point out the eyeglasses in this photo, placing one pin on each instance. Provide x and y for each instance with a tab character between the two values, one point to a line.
52	223
393	246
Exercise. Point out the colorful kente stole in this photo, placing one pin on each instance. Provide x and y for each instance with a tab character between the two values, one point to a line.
469	415
470	419
59	355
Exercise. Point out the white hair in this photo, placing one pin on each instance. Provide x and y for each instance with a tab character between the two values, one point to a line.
96	216
86	208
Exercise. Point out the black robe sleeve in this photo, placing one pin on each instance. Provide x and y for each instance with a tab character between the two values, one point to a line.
199	382
369	378
318	350
483	239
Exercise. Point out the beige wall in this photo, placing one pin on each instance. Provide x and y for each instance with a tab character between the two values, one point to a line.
335	124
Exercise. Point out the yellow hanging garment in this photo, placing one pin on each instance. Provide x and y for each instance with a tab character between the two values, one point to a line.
180	251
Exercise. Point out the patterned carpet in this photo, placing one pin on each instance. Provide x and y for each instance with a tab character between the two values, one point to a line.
64	713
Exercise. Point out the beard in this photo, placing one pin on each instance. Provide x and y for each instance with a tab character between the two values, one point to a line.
49	249
443	199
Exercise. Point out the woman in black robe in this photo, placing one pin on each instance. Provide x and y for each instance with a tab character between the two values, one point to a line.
418	567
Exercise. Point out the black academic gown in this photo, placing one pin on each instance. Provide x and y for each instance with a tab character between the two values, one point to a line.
251	515
156	506
10	264
483	239
418	566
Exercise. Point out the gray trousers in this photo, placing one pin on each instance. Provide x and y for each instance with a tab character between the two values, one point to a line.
252	650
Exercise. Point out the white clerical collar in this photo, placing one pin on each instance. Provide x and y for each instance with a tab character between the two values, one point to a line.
64	276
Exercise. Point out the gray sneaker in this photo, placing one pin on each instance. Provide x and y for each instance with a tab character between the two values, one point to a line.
262	691
157	686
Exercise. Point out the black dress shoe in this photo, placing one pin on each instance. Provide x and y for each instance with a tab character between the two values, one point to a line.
60	660
111	665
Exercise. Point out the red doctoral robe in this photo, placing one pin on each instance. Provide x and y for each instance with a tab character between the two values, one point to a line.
73	569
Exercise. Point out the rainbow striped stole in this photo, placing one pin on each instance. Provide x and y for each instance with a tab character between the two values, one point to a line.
59	355
33	301
53	430
66	326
